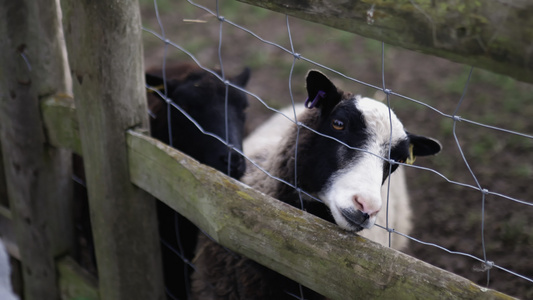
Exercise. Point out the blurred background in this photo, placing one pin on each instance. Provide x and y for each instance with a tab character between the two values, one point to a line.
446	214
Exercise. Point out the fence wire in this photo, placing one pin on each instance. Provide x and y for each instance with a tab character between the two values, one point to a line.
162	34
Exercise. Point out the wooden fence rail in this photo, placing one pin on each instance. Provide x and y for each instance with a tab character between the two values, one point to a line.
493	35
105	122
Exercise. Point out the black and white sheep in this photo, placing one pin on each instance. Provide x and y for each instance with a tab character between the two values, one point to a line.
347	181
269	136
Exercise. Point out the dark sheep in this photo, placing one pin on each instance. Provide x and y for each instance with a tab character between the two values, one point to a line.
202	96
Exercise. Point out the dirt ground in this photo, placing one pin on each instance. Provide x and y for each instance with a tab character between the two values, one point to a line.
445	213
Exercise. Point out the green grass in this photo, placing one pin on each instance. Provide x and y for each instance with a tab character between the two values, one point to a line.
516	231
522	171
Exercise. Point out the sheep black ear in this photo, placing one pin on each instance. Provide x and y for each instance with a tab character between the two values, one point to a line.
424	146
156	82
153	80
321	92
242	79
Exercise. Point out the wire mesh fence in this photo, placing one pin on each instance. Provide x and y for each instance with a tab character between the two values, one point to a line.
471	206
472	212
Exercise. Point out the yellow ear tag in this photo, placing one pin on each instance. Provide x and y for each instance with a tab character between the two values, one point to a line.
158	88
411	159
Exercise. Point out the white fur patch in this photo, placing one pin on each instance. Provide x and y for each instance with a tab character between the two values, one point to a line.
378	116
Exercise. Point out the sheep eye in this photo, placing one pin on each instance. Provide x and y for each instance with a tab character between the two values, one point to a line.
337	124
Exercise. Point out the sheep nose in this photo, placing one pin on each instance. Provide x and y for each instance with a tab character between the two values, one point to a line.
365	205
365	217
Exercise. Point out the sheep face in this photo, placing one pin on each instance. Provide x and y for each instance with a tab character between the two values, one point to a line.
349	180
203	97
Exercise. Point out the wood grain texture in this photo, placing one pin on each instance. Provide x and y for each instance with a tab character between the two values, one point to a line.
493	35
37	176
75	282
61	122
106	60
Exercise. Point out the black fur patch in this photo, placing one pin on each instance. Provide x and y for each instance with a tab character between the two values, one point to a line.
356	218
203	97
399	153
320	157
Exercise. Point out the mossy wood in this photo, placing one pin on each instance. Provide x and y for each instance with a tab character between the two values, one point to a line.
106	62
61	122
494	35
318	254
75	282
37	176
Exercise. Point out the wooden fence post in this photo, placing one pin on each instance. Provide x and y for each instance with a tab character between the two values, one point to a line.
106	60
37	176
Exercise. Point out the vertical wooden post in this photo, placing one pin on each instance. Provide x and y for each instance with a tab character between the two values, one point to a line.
105	54
37	176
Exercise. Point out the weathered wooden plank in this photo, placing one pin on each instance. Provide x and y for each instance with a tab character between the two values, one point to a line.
318	254
106	60
494	35
61	122
37	176
75	282
4	201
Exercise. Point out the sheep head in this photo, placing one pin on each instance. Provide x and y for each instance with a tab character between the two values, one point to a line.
347	163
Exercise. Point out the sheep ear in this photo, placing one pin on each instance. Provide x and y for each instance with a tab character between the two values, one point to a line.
321	92
153	80
156	82
424	146
242	79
